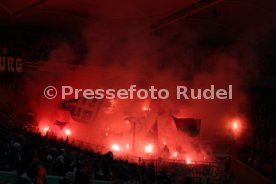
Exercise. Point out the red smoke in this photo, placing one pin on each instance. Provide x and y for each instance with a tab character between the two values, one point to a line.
118	58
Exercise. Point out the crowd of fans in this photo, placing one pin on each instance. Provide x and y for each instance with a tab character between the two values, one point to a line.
33	156
260	152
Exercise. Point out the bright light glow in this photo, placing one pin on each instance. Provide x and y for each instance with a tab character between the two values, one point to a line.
127	146
174	155
146	109
46	129
188	161
164	141
67	132
235	125
127	122
149	148
115	147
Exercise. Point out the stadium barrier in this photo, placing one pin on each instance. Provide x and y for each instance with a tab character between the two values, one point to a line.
243	174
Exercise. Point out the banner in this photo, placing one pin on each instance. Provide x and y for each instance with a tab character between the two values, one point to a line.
81	110
10	64
190	126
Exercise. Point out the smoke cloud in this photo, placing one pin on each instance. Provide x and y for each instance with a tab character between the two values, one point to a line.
118	56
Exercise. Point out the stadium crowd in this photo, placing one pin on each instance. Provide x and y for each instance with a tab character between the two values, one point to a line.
260	152
33	156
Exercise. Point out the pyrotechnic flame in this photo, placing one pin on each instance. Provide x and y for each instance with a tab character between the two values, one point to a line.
235	125
149	148
67	132
127	146
46	129
115	147
188	160
174	155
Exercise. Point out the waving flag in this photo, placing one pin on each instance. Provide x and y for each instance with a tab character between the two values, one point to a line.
190	126
81	110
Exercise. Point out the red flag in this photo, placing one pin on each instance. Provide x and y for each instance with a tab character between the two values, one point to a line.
190	126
